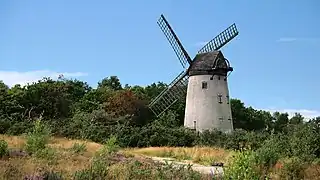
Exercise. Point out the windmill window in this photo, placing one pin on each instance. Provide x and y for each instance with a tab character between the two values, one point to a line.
219	98
220	119
204	85
194	124
227	99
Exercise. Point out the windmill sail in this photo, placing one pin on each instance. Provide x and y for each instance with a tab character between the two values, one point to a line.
219	41
174	41
176	90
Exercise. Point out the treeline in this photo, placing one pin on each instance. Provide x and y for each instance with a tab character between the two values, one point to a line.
74	109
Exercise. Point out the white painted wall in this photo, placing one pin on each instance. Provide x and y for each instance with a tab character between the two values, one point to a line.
203	107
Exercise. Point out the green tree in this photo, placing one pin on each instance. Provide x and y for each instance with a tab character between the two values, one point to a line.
296	119
281	121
111	82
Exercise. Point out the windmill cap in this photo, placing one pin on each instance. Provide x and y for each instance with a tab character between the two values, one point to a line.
210	63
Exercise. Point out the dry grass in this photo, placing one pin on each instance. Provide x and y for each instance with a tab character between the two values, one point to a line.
66	161
64	143
201	155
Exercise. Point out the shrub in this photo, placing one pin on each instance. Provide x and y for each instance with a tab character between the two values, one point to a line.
242	166
236	140
155	134
109	147
304	142
293	168
254	140
19	127
5	124
211	138
97	170
3	148
38	137
272	150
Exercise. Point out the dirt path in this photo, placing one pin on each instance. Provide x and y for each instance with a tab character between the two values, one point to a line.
214	170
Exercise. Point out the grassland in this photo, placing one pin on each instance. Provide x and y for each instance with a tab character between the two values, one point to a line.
69	157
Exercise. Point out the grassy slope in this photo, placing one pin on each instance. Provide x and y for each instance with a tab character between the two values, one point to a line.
65	160
68	162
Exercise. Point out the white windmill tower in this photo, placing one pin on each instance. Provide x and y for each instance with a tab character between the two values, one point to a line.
203	84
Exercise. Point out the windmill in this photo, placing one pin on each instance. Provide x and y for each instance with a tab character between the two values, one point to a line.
203	83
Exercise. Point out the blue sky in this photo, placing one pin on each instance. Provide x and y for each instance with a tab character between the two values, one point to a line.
275	56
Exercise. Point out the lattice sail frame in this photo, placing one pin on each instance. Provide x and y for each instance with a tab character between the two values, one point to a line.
220	40
176	90
174	41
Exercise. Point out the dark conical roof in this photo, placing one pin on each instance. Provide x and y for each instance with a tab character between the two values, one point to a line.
209	63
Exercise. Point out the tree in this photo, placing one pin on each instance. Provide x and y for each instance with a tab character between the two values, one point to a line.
248	118
281	121
296	119
238	114
154	89
126	103
111	82
3	87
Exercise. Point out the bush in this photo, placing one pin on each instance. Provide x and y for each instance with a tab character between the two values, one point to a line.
236	140
38	137
109	147
97	170
304	142
4	125
242	166
99	163
3	148
293	168
272	150
211	138
18	128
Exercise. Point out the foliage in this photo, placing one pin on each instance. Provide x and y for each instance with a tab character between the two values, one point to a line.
271	151
304	142
293	168
243	167
38	137
3	148
97	170
109	147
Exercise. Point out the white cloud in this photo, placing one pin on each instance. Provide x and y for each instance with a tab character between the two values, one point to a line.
308	114
292	39
12	78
